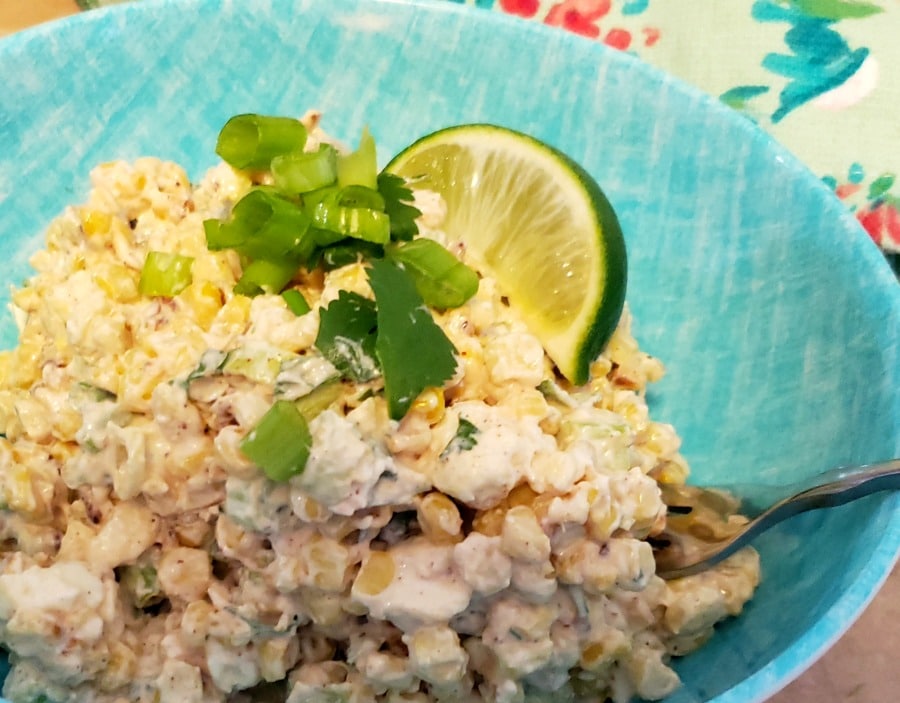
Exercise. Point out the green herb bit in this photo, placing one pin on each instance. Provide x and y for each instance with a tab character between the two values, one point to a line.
251	141
442	280
551	390
88	392
359	168
463	440
347	336
414	352
302	172
295	301
263	276
397	204
211	363
165	275
140	581
280	443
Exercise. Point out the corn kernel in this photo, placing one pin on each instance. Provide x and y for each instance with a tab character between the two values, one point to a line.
439	518
24	367
603	520
234	313
276	656
18	493
523	494
376	574
95	222
522	536
326	563
430	405
530	402
120	667
5	359
605	651
214	267
204	300
490	522
118	282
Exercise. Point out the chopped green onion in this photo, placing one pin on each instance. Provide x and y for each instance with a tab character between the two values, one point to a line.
441	279
165	274
262	276
314	197
301	172
252	141
325	237
356	222
221	235
318	399
351	252
295	301
280	442
361	167
270	227
360	196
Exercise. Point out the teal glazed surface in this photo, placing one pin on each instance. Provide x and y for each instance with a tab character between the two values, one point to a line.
776	316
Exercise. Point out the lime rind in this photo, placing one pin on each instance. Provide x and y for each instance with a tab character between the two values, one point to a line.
536	221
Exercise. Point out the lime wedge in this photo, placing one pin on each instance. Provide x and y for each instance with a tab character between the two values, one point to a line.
538	223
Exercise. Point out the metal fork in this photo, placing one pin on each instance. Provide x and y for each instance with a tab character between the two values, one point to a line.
706	525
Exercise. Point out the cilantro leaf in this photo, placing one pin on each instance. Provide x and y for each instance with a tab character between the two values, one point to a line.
347	333
463	440
414	352
397	199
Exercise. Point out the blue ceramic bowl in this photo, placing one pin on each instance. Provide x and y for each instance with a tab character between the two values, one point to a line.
776	315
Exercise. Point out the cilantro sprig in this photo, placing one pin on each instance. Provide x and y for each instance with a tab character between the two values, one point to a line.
394	336
414	352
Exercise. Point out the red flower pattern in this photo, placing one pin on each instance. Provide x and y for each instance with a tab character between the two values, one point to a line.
579	16
618	39
882	222
522	8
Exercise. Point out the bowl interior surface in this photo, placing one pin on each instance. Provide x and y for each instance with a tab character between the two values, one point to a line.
776	317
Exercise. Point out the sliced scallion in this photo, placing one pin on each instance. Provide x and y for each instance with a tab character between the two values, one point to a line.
441	279
301	172
318	399
270	227
263	276
359	168
358	222
221	235
295	301
251	141
280	442
350	251
164	274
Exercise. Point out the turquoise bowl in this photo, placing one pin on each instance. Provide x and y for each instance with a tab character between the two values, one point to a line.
776	316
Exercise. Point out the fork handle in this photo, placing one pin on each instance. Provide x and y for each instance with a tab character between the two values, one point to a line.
829	488
846	485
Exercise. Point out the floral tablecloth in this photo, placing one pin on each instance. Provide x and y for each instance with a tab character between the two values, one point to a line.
820	75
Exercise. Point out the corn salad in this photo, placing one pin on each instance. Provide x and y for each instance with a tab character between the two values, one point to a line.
145	558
